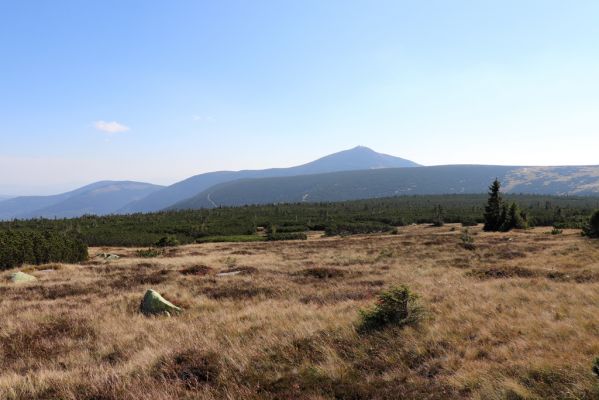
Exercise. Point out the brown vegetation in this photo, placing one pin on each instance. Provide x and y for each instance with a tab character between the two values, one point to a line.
516	317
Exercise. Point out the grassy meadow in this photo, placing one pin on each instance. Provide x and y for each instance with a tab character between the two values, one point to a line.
508	316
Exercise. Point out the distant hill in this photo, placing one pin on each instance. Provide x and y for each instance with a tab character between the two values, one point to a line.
358	158
351	185
98	198
5	197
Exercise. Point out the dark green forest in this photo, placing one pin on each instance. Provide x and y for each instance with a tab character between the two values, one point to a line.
350	217
35	247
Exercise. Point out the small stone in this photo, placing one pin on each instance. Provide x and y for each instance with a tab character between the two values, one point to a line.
229	273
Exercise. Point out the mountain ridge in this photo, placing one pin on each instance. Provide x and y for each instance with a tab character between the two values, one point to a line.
353	185
357	173
102	197
356	158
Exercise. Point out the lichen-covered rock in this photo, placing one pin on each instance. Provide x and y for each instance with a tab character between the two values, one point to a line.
20	277
108	256
154	303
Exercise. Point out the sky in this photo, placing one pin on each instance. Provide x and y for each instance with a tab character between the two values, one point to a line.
157	91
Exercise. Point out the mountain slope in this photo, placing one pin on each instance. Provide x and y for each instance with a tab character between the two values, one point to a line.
351	185
99	198
358	158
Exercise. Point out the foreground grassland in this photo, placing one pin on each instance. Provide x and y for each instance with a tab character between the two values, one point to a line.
517	317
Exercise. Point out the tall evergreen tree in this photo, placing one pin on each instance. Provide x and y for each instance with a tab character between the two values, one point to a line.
493	208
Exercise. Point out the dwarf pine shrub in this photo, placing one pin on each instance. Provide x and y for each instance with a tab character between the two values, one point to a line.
287	236
397	306
148	253
167	241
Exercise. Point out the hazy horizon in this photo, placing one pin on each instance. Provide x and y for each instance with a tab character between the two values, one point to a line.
160	92
53	189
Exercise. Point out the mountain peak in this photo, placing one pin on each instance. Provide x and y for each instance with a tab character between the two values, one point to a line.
360	147
359	157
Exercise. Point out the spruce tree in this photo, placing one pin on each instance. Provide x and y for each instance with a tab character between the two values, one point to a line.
518	217
493	208
513	219
438	219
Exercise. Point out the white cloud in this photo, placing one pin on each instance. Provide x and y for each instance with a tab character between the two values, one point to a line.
202	118
110	127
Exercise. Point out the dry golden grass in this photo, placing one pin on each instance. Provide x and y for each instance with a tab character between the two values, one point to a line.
516	318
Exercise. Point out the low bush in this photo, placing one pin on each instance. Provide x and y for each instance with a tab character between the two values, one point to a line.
357	228
291	229
148	253
323	272
287	236
596	366
468	221
167	241
192	368
397	306
196	270
232	238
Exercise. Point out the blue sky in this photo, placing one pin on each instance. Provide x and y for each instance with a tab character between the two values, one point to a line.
160	90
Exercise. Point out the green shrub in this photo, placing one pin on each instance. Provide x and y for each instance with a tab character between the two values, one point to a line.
291	229
231	238
397	306
148	253
469	221
512	218
167	241
592	229
287	236
357	228
556	231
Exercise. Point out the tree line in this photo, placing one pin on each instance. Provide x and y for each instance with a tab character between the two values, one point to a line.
341	218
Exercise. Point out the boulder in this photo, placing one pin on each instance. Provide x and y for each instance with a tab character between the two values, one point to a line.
154	303
20	277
